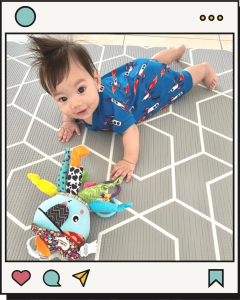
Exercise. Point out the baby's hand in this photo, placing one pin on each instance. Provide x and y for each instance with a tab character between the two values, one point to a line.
123	169
66	131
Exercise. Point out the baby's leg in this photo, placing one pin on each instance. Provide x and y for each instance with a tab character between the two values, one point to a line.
203	72
170	55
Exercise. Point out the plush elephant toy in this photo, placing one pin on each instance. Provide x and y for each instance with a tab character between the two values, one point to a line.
62	223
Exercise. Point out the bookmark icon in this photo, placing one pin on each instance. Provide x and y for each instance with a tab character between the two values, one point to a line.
215	275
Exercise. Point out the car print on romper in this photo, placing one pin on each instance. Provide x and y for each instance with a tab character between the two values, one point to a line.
140	74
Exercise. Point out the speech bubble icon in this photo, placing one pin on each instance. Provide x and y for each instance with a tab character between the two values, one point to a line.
51	278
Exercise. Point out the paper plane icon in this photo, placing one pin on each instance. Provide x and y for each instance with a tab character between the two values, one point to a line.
82	276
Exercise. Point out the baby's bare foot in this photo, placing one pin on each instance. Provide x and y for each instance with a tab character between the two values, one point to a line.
210	79
181	49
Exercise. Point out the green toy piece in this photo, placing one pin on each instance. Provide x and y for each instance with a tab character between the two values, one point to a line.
92	193
84	177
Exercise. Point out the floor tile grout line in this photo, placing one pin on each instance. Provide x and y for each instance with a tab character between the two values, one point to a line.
200	128
23	167
225	72
223	227
159	130
17	60
166	233
220	41
206	128
98	154
19	55
13	86
101	59
172	37
101	233
187	120
190	55
200	132
36	118
218	159
43	154
138	216
216	92
183	161
36	161
208	186
14	145
20	86
84	136
174	189
149	210
202	215
17	222
32	120
110	157
214	232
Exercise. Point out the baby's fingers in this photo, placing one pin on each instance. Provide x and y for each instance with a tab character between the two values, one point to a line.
117	174
115	168
77	129
66	134
129	176
60	133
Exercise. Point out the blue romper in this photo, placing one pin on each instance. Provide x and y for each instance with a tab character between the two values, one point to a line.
135	91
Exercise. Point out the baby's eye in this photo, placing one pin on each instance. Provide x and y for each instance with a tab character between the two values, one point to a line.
63	99
81	90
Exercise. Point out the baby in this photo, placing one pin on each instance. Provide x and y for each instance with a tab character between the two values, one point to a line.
118	100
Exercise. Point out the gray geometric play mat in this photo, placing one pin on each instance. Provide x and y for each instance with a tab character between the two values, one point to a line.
182	188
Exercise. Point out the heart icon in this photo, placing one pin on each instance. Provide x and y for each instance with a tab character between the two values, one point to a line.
21	277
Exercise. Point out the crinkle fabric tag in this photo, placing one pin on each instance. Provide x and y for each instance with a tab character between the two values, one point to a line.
87	249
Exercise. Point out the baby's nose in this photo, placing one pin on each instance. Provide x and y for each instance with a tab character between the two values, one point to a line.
75	103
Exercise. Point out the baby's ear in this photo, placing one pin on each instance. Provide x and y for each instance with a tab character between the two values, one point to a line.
95	73
97	78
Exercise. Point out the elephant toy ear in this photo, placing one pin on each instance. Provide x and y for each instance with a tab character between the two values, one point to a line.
58	214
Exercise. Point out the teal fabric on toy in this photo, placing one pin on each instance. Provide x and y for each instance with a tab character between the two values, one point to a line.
101	206
62	175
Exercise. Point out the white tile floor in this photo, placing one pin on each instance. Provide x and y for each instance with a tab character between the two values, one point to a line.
207	41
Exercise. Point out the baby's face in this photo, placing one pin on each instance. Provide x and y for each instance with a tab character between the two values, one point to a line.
77	95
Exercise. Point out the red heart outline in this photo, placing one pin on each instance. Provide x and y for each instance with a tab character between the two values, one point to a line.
19	274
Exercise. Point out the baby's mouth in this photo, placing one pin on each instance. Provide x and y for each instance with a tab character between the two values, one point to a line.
82	112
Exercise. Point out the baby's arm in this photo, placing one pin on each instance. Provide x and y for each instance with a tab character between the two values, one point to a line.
69	125
66	118
126	166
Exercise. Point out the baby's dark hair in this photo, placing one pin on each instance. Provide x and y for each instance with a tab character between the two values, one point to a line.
51	56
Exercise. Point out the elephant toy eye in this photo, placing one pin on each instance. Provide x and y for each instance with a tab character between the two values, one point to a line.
75	218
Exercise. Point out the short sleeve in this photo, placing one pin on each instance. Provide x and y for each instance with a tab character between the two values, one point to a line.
118	117
126	122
